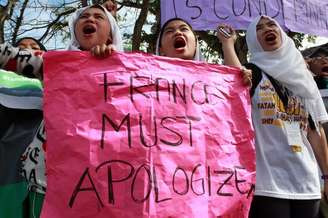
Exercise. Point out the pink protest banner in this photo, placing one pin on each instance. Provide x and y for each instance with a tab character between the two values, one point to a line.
208	14
135	135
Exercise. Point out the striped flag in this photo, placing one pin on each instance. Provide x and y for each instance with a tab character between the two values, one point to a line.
20	118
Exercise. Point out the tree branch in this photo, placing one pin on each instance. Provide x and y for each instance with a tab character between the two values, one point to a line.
19	21
136	38
69	11
4	14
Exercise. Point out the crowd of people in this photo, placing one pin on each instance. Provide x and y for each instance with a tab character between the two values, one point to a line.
290	148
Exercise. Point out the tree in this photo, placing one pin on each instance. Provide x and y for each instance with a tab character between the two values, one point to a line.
48	22
5	13
40	19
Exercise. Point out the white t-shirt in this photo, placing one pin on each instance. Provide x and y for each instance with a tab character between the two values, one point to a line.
285	163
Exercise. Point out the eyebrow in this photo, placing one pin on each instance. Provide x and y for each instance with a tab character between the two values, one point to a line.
168	28
24	43
171	28
184	25
98	13
266	23
259	25
89	14
84	13
270	22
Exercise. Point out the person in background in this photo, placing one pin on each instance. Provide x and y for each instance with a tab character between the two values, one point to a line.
318	64
18	59
111	7
319	68
31	44
21	119
287	114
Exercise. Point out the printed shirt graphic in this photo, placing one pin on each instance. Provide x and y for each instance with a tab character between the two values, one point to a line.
20	117
34	162
21	61
285	163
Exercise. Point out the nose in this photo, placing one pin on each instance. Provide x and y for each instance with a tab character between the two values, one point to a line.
91	19
177	32
267	27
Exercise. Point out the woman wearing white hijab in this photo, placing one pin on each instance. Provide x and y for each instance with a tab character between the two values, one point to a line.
287	149
94	29
177	40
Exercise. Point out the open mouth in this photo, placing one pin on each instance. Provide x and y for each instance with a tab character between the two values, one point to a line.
324	69
110	8
89	29
179	43
270	37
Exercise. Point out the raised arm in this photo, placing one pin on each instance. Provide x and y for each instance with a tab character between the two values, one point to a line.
228	42
227	37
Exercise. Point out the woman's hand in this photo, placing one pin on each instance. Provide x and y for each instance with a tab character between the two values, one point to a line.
228	45
102	51
247	76
325	191
226	39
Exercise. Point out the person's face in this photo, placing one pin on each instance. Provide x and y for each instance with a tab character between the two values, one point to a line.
178	41
110	6
319	66
268	34
29	44
92	28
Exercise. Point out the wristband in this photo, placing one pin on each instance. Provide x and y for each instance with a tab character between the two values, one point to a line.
324	177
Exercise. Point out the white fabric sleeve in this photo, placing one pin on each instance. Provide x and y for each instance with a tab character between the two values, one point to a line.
320	112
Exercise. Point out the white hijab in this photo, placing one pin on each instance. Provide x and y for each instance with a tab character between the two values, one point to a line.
197	57
286	64
116	35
